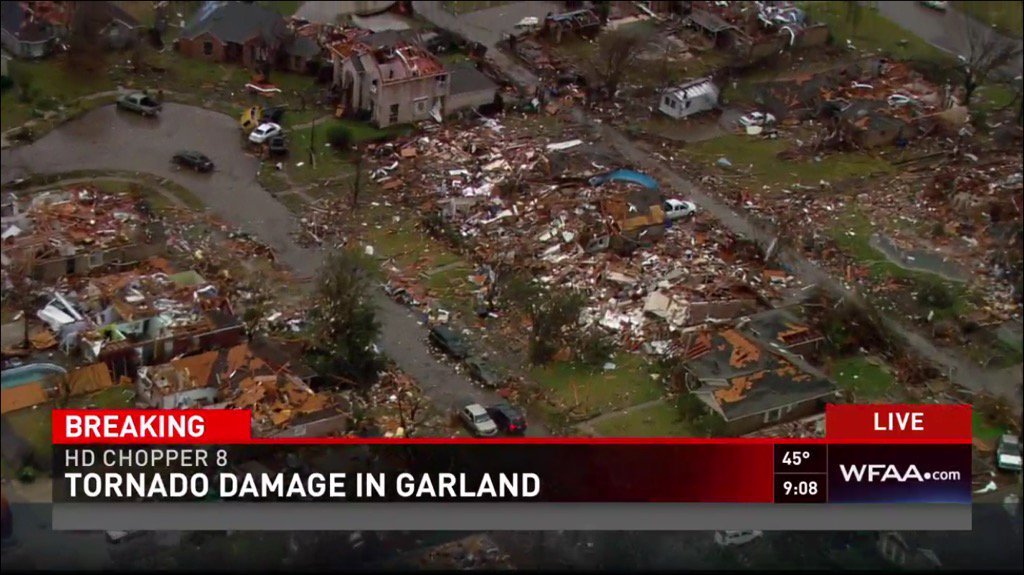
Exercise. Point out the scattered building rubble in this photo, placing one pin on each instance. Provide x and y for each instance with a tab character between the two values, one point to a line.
236	378
550	209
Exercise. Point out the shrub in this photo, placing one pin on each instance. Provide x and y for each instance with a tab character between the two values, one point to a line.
594	348
340	136
937	295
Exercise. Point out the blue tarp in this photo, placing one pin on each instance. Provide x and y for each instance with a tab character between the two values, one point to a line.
625	176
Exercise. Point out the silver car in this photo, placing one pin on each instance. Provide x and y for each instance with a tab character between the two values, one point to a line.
476	419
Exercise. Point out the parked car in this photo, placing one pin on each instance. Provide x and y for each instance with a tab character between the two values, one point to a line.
731	538
265	132
449	342
935	5
193	160
898	100
483	373
476	419
140	103
274	115
278	146
122	536
1008	456
757	119
509	419
676	209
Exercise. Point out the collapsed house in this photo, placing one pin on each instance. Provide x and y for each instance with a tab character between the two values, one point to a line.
240	377
752	375
130	319
581	23
74	232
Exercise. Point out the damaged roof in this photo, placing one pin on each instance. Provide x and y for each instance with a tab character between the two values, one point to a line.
744	373
236	22
465	78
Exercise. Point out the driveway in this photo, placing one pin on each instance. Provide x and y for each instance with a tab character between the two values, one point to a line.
106	138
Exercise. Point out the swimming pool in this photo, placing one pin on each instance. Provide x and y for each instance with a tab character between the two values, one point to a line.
23	374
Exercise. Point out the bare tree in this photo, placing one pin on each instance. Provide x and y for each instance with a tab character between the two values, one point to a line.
85	35
617	52
853	15
987	51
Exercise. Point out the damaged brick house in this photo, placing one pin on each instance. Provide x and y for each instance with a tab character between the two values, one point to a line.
752	376
239	32
32	29
391	79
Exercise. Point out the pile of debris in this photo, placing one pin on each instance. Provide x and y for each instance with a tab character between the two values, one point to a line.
569	221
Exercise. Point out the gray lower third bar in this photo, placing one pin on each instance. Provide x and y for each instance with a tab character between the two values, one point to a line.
238	516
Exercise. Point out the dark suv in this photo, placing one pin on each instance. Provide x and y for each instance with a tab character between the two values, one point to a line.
509	419
193	160
449	342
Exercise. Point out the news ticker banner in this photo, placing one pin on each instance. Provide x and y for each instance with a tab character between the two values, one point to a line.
880	467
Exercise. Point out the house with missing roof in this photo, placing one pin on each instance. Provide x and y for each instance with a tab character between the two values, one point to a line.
690	98
247	34
753	375
30	29
243	376
391	78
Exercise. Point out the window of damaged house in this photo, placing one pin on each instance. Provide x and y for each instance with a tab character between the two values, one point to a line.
420	106
776	414
441	81
393	115
208	48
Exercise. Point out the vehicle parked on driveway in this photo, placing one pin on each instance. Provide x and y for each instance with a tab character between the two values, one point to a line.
757	119
265	132
508	418
483	373
140	103
677	209
476	419
1008	454
278	146
193	160
449	342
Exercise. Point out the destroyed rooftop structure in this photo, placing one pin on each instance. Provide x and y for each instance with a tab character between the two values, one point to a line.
751	374
545	210
583	23
132	318
390	79
756	30
73	232
238	377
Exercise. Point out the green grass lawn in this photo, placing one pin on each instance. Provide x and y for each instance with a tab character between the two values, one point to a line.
852	233
873	32
1006	16
34	424
761	158
599	391
52	83
984	430
663	419
284	8
867	381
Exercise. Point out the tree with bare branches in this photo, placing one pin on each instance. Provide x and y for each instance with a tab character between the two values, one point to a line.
617	51
987	51
85	35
